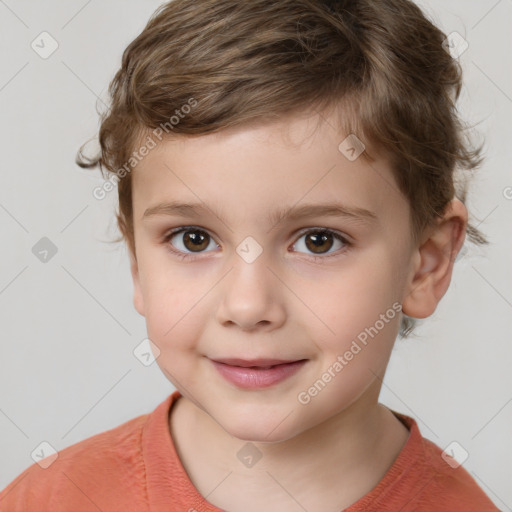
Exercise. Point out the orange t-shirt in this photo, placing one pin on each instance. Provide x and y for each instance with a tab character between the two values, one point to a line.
135	467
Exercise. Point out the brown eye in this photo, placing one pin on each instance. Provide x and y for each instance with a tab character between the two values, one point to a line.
195	240
321	241
189	240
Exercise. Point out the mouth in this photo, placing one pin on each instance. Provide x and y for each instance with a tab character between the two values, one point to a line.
257	373
263	364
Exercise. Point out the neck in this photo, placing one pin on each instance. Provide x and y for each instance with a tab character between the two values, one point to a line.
340	460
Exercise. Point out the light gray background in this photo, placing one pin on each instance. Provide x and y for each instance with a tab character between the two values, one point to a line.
67	369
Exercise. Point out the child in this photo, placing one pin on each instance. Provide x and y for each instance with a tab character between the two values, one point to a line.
243	137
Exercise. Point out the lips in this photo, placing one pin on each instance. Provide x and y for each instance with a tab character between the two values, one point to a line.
256	373
255	363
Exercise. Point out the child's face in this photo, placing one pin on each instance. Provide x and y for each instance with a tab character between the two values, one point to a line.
216	302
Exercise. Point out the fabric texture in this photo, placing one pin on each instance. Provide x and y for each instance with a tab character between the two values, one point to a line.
135	468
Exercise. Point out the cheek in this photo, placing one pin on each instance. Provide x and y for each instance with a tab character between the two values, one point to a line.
174	322
172	306
355	298
174	326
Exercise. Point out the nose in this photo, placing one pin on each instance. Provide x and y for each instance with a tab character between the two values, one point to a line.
251	297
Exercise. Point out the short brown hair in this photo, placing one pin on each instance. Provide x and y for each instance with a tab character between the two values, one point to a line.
383	61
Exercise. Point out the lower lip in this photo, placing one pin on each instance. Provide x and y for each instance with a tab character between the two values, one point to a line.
251	378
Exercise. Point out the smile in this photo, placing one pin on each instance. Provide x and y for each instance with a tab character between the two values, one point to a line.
256	374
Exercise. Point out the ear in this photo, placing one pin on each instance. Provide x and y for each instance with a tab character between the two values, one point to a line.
138	300
433	262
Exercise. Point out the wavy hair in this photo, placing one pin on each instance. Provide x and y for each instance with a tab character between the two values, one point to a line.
383	61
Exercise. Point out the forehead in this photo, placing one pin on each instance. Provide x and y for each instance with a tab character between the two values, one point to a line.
264	166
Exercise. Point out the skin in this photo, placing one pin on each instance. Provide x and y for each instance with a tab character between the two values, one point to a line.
328	453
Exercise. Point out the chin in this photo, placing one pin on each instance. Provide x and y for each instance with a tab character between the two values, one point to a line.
266	431
256	436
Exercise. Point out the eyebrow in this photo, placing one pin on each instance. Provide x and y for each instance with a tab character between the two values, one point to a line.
324	210
176	208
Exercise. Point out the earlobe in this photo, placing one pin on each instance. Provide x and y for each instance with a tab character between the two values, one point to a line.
434	259
138	300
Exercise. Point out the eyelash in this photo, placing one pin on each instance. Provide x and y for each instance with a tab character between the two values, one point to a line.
190	256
